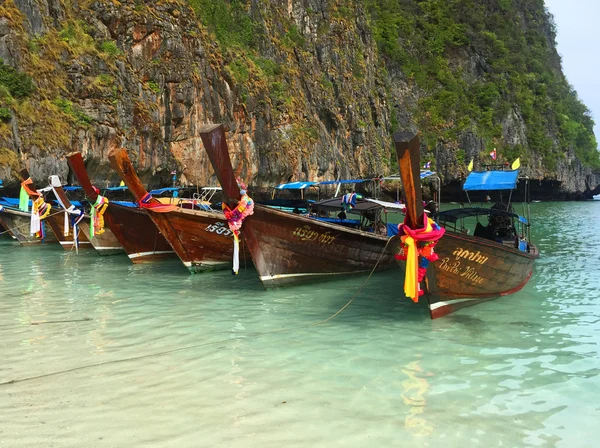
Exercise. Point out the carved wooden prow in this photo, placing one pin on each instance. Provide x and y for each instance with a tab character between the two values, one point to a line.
61	195
120	162
409	160
75	161
24	175
215	143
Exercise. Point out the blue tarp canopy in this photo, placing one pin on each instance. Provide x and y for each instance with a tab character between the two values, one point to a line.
116	188
125	203
491	180
164	190
11	202
76	204
296	185
71	188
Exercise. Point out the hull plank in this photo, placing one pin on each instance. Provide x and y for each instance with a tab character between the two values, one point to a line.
138	235
471	270
288	249
18	223
207	240
57	224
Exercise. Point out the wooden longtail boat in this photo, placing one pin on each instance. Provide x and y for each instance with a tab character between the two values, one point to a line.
18	223
131	226
105	243
55	221
288	248
471	268
201	239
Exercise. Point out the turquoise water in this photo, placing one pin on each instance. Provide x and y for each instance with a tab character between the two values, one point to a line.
107	354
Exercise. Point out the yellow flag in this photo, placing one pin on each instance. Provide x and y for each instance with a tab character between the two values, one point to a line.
516	164
470	167
122	184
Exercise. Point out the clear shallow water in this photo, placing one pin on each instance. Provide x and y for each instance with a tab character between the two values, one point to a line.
166	359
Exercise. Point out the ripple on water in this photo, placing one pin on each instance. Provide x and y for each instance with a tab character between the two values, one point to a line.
156	357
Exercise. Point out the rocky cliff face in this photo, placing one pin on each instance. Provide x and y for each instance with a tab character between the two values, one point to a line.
312	99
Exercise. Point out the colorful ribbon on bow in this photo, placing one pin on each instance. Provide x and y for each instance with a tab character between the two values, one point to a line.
25	194
415	243
157	206
235	218
97	216
76	216
39	211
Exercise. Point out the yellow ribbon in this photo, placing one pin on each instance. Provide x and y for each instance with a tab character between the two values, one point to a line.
411	276
38	204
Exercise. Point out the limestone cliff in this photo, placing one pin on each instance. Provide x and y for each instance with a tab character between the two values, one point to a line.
307	89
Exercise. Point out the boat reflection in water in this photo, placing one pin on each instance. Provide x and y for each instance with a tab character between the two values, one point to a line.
413	395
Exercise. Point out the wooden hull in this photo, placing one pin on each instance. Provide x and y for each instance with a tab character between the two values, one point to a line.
132	227
18	223
106	243
57	224
202	240
288	248
5	230
471	270
138	235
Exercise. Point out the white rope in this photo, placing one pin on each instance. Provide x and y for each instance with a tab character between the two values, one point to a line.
54	184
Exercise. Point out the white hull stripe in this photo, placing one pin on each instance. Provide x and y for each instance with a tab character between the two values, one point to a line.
306	274
437	305
70	243
144	254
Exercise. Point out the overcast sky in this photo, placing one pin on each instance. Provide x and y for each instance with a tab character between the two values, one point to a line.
578	39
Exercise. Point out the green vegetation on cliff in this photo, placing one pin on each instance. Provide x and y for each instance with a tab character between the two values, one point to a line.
308	89
476	63
516	68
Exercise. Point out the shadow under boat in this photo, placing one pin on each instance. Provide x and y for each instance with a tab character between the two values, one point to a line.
494	261
288	248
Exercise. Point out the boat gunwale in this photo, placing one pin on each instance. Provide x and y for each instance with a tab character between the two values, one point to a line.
309	220
494	244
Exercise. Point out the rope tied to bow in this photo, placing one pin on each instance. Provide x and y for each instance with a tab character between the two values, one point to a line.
97	215
414	243
39	210
235	218
157	206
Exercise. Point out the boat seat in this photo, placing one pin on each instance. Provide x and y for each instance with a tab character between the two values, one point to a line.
483	232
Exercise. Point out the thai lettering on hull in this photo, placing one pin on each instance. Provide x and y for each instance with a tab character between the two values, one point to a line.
305	233
467	272
470	255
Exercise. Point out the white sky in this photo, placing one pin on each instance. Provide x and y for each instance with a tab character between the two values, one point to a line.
578	40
